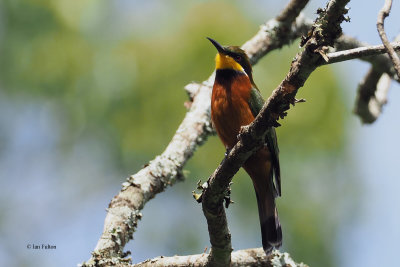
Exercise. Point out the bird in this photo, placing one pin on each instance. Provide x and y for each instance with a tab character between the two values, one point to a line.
235	102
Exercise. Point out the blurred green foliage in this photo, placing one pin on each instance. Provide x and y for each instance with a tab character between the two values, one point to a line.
116	78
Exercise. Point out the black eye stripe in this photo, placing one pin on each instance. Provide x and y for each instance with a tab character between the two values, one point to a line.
235	57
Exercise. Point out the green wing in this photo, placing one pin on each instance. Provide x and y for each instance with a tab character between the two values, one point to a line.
256	102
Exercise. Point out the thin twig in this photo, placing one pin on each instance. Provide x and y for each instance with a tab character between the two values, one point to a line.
359	53
372	94
381	62
383	13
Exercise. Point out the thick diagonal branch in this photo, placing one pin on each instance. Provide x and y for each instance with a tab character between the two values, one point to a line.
324	32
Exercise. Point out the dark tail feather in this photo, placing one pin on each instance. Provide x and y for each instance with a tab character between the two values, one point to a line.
271	231
258	167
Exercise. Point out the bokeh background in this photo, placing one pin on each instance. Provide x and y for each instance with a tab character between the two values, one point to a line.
92	90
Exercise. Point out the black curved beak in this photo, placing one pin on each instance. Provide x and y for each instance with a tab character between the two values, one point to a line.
219	47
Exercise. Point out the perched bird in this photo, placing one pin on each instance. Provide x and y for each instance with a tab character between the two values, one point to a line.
235	102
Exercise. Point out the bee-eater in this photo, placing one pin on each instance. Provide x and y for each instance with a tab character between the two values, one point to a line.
235	102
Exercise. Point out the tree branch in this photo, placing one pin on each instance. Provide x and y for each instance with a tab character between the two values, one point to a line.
381	63
372	95
359	52
385	11
290	12
123	212
274	34
247	257
324	32
372	91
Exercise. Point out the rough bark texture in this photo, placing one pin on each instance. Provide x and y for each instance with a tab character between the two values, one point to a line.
247	257
123	212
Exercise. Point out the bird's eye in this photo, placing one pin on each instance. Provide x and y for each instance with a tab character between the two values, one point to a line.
238	58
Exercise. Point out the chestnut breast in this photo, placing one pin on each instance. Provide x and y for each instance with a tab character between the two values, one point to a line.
230	104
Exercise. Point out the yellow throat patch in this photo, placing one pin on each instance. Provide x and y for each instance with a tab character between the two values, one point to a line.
226	62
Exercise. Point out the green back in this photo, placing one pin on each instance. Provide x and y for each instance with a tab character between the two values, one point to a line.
256	102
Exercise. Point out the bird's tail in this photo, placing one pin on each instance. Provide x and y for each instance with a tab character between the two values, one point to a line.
258	167
271	231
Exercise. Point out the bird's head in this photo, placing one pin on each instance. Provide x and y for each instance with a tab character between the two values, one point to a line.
231	57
